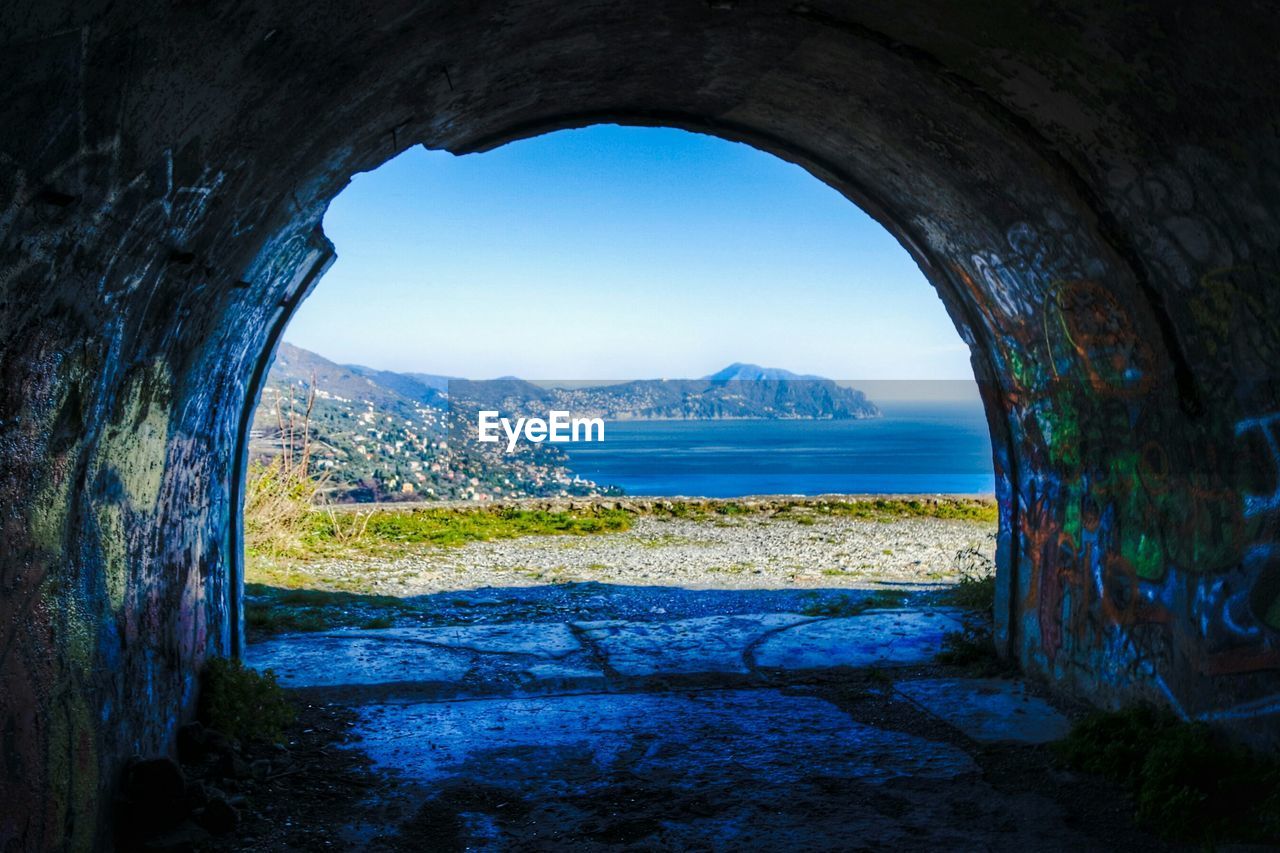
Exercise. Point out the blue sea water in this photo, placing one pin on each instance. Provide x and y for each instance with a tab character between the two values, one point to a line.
915	448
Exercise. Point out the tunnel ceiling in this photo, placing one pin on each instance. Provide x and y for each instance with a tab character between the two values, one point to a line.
1093	190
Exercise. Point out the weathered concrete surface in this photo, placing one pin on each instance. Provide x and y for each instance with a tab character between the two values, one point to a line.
1095	192
708	644
886	638
678	746
989	709
714	769
475	660
531	658
690	737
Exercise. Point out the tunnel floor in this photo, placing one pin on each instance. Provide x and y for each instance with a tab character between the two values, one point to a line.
745	731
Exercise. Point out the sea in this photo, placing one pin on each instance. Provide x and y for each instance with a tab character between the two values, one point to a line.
914	448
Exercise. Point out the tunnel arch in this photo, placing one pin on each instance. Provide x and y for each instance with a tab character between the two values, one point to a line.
1092	191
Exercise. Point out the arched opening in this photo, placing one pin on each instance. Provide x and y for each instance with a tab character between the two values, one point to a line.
726	558
989	392
1103	238
688	274
718	282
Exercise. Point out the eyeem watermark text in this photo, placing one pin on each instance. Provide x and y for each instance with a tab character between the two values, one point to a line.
558	427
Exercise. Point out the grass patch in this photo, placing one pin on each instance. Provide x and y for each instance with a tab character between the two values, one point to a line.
879	509
976	589
242	703
272	610
1187	783
328	532
284	529
849	605
977	593
702	509
974	651
889	509
267	620
453	527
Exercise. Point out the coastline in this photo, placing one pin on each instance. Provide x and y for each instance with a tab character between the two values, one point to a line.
642	503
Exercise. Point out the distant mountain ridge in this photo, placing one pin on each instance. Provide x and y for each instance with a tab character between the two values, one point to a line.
385	435
739	391
739	371
378	435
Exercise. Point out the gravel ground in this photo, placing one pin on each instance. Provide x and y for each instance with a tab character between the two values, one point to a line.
740	553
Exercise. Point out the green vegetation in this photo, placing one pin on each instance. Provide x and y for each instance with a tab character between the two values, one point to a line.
243	704
278	501
1187	783
696	510
283	526
976	590
272	610
288	529
809	511
974	651
890	509
853	605
973	592
453	527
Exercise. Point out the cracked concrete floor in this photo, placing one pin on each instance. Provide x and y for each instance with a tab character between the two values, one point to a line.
729	732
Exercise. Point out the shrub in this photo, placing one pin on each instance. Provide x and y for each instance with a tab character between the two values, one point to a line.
280	492
243	703
1187	783
976	590
276	504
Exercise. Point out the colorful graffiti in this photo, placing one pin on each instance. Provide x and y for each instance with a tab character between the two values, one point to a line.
1141	558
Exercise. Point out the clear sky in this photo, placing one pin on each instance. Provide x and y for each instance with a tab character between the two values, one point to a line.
618	253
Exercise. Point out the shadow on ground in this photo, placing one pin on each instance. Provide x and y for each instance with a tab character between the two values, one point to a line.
272	610
636	717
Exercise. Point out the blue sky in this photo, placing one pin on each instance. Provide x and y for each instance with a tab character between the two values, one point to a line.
616	253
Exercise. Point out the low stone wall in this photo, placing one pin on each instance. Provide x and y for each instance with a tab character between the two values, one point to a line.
645	505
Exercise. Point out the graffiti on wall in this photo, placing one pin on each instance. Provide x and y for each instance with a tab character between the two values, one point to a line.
1142	559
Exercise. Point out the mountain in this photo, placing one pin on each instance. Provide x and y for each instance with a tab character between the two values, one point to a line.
383	435
432	380
376	435
739	391
739	371
422	387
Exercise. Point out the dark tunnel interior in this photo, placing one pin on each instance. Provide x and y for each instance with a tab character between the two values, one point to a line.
1093	189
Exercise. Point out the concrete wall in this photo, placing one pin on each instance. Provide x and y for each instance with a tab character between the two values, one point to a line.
1094	192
